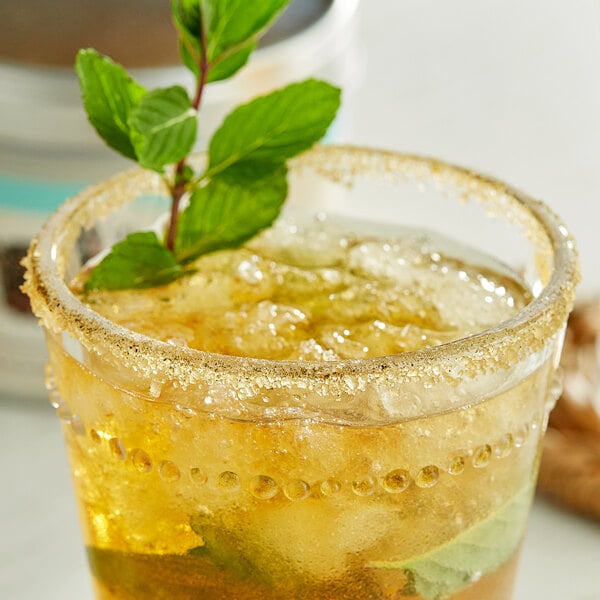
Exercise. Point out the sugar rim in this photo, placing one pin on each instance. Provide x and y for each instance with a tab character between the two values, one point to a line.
511	341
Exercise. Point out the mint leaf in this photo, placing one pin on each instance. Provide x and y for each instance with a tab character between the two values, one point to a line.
224	548
275	127
138	261
233	207
109	95
230	23
478	551
230	29
233	26
163	127
186	17
189	59
229	65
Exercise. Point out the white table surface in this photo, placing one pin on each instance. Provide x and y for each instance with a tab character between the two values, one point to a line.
511	88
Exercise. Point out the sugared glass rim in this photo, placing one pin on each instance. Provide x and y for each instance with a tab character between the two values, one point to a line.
512	340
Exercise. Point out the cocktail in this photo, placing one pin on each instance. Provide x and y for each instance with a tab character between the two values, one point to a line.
349	405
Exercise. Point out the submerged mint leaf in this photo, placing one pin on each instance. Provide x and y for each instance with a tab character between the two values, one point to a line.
138	261
224	549
275	127
478	551
163	127
233	207
109	95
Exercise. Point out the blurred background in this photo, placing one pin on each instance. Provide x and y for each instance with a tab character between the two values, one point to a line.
509	88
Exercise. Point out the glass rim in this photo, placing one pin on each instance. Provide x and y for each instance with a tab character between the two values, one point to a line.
526	331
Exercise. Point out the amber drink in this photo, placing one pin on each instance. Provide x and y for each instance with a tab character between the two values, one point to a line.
350	406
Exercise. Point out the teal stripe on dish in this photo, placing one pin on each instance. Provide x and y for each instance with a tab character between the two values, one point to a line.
35	195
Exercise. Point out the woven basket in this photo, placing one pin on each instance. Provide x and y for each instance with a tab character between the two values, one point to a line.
570	469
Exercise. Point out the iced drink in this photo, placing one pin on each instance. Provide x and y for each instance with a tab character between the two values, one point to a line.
338	409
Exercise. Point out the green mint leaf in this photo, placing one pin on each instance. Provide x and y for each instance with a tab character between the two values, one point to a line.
109	95
138	261
275	127
233	207
163	127
185	177
477	552
189	58
230	23
230	28
224	548
231	64
187	20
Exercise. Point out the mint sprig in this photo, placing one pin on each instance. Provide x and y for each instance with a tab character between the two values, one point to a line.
244	185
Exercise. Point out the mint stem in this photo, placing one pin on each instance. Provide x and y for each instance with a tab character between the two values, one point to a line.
176	194
178	188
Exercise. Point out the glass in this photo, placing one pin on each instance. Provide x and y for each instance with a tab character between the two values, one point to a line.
213	476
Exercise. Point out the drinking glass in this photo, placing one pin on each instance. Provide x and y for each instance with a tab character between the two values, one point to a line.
200	475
